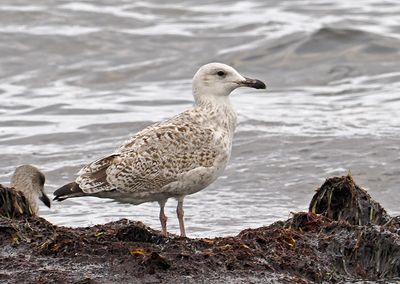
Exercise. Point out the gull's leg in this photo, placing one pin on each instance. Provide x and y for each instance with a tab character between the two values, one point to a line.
163	217
179	212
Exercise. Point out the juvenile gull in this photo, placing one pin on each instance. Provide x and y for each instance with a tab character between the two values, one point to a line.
174	158
27	186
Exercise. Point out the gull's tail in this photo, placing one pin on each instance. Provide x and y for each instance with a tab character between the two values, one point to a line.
69	190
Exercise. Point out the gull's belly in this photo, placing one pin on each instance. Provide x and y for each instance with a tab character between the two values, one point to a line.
201	177
198	178
193	181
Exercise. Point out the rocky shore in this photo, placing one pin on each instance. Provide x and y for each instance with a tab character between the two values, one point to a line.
345	236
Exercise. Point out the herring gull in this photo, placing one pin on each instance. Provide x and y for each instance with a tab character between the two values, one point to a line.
27	186
173	158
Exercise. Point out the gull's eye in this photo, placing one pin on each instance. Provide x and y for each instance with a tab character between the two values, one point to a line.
221	73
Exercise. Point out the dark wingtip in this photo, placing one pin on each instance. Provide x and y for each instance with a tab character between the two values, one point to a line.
59	198
69	190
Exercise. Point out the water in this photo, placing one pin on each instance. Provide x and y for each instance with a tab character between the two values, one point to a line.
77	78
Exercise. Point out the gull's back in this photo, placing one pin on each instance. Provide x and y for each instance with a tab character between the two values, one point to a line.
158	156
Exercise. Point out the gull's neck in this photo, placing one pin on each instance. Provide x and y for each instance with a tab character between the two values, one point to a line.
219	109
212	101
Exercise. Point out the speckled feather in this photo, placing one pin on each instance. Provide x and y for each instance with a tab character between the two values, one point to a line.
173	158
164	153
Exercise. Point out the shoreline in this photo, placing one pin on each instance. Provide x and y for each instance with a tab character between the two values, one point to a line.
345	236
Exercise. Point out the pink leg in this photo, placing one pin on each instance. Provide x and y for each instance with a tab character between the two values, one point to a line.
163	218
180	213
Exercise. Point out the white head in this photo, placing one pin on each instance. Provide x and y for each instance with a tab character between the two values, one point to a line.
30	181
219	80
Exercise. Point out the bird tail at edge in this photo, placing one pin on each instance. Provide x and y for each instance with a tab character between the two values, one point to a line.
69	190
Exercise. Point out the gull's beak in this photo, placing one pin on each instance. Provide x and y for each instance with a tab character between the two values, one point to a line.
253	83
45	199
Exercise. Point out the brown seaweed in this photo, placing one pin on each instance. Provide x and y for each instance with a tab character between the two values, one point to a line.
13	204
340	243
339	198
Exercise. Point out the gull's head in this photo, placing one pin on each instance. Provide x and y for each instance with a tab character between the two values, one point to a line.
217	79
30	181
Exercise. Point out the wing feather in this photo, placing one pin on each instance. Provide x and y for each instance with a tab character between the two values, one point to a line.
152	158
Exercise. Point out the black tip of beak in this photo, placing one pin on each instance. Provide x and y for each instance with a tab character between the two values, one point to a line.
254	83
45	200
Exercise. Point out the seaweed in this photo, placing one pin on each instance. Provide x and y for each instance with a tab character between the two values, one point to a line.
339	239
13	204
339	198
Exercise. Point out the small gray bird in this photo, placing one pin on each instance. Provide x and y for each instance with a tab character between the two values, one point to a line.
21	199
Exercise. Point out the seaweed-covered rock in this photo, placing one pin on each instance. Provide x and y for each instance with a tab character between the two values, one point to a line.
309	247
13	204
339	198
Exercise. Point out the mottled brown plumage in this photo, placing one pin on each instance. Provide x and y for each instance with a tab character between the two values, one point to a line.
173	158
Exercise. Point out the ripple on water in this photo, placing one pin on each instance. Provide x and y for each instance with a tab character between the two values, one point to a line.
78	78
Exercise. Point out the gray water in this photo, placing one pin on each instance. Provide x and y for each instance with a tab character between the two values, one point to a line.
78	78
